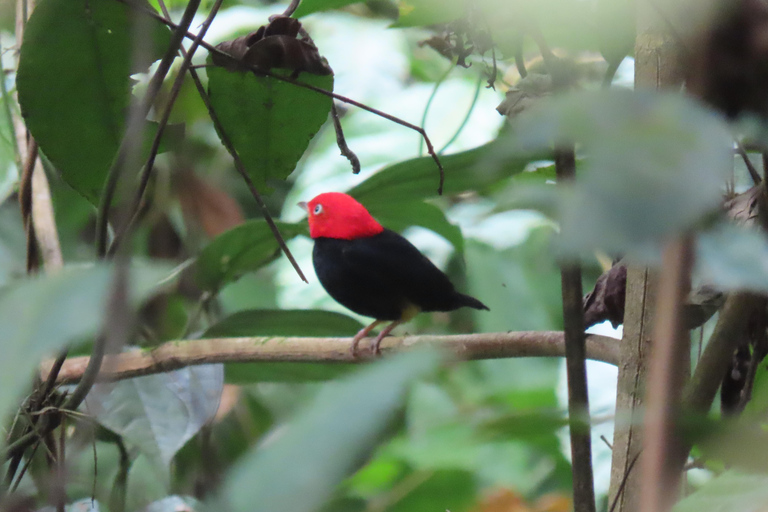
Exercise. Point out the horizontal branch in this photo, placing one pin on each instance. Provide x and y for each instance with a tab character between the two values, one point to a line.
179	354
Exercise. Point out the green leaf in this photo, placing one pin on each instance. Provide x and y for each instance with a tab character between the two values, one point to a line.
418	178
284	323
521	284
309	6
325	442
728	492
242	249
74	83
453	490
270	123
402	214
9	175
417	13
644	150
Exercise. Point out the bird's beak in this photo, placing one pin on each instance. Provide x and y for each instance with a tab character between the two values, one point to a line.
303	206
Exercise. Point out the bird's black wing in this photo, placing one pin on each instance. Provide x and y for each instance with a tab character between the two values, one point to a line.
396	264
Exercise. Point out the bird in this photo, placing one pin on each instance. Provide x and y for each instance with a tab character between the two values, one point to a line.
373	270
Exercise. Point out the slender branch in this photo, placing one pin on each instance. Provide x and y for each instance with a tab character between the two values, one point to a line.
342	142
175	90
138	113
660	474
330	94
179	354
466	117
750	167
575	358
25	203
291	8
613	67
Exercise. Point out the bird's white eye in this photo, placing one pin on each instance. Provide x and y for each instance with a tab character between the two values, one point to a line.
318	209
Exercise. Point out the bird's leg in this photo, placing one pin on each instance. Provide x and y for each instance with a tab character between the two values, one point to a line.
362	334
377	342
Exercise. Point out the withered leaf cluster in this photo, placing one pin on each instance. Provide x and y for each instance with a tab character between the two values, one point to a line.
282	43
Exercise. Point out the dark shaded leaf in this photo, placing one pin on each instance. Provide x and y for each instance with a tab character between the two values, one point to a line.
76	96
242	249
309	6
452	490
270	123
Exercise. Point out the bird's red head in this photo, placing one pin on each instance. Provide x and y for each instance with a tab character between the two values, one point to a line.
337	215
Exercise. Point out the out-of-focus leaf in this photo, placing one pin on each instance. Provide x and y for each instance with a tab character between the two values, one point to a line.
730	491
644	150
91	70
242	249
40	315
521	285
9	175
270	123
325	442
416	13
284	323
400	215
733	258
453	490
174	504
309	6
418	178
12	244
159	413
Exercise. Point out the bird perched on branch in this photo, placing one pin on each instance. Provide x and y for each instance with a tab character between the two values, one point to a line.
372	270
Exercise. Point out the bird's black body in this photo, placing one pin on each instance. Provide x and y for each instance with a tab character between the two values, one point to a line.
384	276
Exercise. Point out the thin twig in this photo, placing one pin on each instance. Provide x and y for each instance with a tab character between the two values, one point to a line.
303	85
623	484
750	167
138	200
291	8
130	142
575	359
613	67
466	117
342	142
520	60
25	203
431	98
180	354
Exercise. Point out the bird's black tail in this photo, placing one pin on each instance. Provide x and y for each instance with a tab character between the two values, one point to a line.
466	300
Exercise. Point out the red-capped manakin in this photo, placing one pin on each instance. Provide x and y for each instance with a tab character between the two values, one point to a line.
372	270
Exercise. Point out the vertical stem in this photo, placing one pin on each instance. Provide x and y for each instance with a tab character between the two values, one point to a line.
658	64
667	371
578	399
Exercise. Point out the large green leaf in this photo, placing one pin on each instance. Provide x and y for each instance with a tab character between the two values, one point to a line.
400	215
654	165
279	322
74	83
728	492
269	122
325	442
418	178
239	250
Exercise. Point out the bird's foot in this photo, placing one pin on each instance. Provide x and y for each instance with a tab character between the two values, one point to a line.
360	335
376	345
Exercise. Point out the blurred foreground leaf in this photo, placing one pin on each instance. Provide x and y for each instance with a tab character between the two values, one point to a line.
325	442
730	491
40	315
654	165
